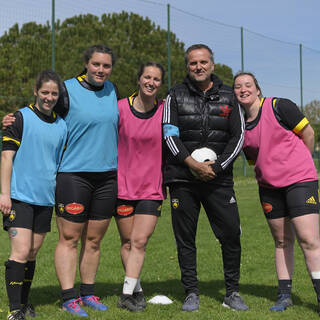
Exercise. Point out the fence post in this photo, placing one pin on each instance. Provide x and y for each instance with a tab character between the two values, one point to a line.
169	47
244	162
301	88
53	36
242	58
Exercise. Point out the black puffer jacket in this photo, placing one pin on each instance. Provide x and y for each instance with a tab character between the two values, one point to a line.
210	119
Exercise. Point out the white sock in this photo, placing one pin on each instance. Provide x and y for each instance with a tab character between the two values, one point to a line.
128	285
137	288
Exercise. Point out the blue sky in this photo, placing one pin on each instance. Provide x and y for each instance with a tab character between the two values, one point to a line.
287	20
276	63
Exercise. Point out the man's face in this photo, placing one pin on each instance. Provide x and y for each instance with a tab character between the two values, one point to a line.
199	65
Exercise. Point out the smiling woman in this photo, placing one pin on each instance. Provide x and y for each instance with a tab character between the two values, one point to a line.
46	97
87	179
279	141
140	191
31	152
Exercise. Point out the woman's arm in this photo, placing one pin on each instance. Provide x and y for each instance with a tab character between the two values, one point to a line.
307	135
6	170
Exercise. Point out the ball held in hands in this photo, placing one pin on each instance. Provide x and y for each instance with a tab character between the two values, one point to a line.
203	155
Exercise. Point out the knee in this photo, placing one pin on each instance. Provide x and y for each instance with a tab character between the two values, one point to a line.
307	244
20	255
69	241
284	243
139	243
92	244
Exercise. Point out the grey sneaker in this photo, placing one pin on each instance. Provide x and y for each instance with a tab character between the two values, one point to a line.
140	299
191	302
284	301
235	302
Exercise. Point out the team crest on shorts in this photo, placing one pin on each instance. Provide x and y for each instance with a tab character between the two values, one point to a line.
175	203
12	215
74	208
267	207
124	210
61	208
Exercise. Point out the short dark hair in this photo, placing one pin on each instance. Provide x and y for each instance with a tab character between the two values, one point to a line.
250	74
101	48
196	47
46	76
151	64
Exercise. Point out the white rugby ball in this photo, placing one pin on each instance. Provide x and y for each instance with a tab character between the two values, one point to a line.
202	155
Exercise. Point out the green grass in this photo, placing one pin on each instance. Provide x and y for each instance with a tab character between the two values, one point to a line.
161	274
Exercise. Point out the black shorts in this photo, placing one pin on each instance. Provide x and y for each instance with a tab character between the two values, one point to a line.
128	208
83	196
28	216
293	201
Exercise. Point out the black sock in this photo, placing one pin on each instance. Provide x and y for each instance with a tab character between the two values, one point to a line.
284	286
316	286
28	277
86	289
69	294
14	275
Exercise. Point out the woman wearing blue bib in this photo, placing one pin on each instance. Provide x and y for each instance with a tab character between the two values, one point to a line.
87	179
31	153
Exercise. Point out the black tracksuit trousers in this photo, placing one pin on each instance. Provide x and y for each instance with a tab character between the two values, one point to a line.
220	205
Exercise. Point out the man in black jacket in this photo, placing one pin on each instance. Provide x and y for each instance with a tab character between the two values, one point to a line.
202	112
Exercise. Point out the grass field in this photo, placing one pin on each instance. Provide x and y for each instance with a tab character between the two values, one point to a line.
161	273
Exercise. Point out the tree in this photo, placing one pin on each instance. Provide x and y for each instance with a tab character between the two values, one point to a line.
224	73
25	52
312	113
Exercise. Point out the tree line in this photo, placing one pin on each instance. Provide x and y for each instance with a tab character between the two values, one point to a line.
27	50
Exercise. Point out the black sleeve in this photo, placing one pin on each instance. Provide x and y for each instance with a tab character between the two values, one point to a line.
12	135
170	118
288	114
62	106
234	145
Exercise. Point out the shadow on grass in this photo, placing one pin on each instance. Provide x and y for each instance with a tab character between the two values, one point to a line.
172	288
